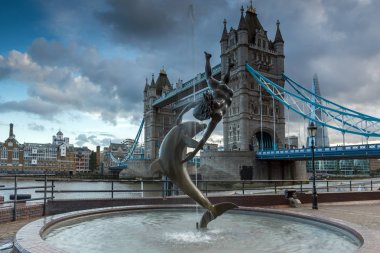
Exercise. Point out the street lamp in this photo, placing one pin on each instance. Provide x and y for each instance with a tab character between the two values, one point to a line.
312	132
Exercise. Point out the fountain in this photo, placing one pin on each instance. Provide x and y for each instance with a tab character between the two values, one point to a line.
171	229
155	229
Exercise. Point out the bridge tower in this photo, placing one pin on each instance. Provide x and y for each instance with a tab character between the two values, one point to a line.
252	123
158	121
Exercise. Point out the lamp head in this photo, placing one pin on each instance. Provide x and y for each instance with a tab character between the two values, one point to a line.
312	130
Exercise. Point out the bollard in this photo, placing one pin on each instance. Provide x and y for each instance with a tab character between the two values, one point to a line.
142	189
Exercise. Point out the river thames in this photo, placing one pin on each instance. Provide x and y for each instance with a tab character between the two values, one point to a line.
150	189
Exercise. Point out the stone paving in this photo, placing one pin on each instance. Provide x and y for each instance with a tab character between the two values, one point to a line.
9	229
362	213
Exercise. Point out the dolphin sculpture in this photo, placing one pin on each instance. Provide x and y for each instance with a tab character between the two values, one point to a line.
169	163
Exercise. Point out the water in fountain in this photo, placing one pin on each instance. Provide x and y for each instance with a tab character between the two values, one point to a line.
174	231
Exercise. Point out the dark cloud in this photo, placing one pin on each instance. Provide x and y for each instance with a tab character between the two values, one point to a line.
338	40
156	24
34	106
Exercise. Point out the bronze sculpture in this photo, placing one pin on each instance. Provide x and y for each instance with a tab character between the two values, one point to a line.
173	148
172	151
213	106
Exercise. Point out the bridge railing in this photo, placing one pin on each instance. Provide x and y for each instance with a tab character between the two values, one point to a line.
349	150
201	77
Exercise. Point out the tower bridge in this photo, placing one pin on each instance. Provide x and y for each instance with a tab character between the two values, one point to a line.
254	125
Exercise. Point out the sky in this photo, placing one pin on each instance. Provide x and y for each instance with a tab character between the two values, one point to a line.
80	66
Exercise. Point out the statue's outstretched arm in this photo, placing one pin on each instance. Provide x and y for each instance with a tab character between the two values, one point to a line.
210	128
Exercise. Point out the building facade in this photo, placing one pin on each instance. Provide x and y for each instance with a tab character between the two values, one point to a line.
59	157
112	158
158	121
12	154
254	119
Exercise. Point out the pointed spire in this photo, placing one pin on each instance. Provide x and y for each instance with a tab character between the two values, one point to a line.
242	23
146	85
152	82
250	8
224	34
162	71
278	37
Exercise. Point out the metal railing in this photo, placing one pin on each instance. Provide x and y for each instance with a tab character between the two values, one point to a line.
16	189
164	188
322	153
220	187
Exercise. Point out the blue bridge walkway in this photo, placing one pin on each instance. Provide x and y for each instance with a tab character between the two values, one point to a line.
363	151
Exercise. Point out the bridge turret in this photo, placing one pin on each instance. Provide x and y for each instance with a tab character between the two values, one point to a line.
242	41
157	121
279	48
224	47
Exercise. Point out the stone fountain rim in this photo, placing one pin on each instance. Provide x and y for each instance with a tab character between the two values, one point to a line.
30	237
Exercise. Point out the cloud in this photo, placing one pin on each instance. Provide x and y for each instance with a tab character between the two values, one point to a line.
36	127
75	79
96	139
102	51
34	106
156	24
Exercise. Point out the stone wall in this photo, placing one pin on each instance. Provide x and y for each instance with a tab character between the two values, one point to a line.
137	169
227	165
224	165
23	211
280	170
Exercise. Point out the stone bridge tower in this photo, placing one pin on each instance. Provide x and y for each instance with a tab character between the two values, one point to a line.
158	121
251	124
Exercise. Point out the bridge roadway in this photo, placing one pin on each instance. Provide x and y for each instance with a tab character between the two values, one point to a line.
363	151
181	96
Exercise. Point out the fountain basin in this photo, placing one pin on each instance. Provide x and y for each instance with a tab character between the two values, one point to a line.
172	228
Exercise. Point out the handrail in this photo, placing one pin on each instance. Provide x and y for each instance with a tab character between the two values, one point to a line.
220	187
15	188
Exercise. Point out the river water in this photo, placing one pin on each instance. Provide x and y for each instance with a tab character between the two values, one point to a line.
156	189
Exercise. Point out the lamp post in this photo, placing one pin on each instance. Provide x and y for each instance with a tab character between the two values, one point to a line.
312	132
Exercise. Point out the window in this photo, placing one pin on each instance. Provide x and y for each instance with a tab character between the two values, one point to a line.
264	44
15	154
4	153
259	42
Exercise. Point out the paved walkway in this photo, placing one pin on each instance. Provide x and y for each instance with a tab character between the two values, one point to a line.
362	213
9	229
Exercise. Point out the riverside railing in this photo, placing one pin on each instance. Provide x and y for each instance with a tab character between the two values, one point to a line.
217	187
64	188
23	198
